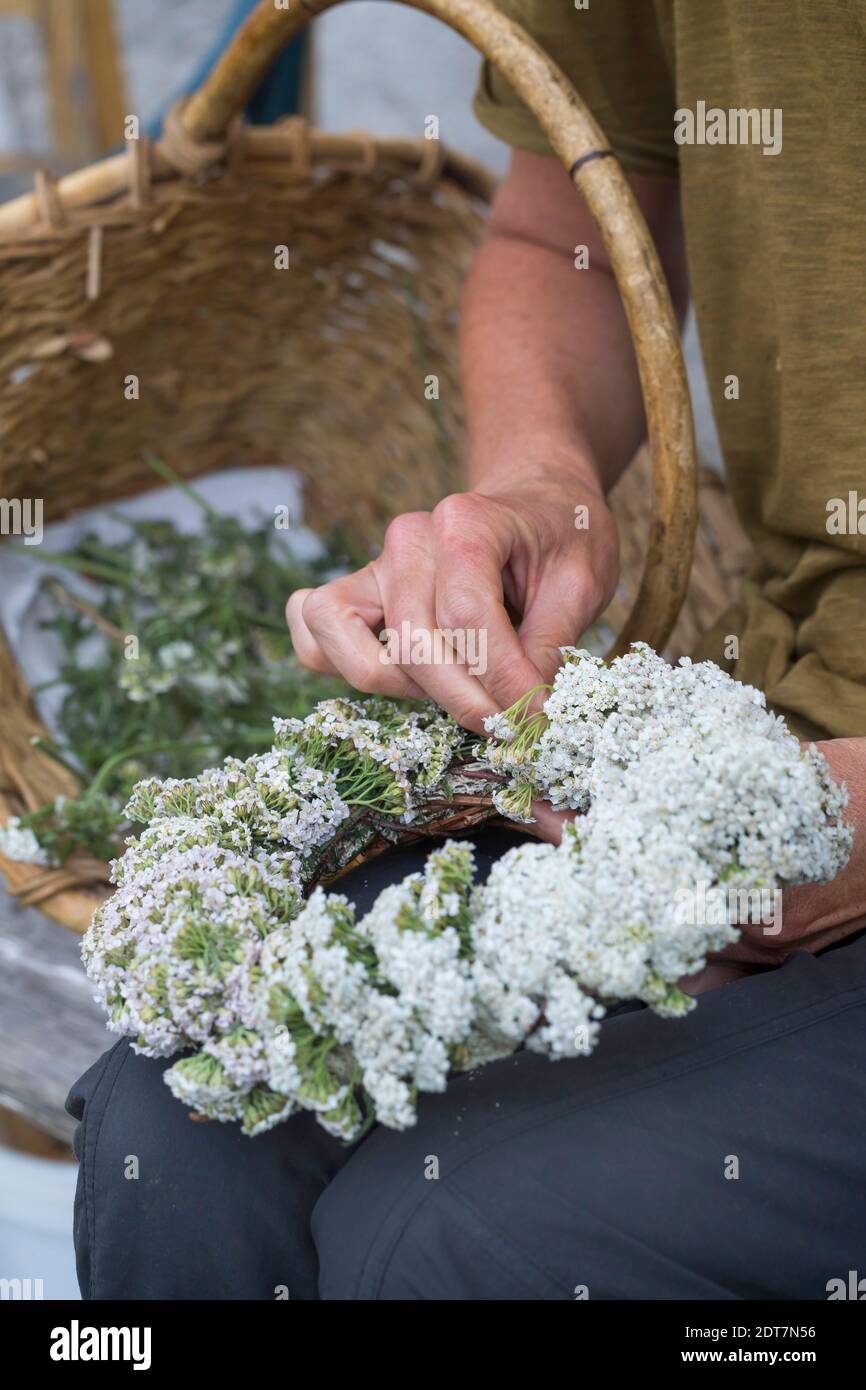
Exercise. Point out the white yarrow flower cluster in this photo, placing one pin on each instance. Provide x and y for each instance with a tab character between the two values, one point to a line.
279	1004
405	754
686	783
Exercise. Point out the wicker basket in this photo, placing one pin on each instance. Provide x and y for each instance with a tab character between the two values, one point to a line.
161	262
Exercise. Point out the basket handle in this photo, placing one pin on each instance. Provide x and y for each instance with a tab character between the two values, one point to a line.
581	145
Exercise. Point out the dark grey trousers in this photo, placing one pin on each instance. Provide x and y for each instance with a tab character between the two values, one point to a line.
722	1156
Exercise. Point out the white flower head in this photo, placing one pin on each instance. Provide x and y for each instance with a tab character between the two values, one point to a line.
685	785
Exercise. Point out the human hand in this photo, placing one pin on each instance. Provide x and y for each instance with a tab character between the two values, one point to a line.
460	571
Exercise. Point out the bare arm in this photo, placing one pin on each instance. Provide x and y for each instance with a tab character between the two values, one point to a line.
554	415
549	372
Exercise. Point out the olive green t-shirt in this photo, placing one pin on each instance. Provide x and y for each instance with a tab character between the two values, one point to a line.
776	248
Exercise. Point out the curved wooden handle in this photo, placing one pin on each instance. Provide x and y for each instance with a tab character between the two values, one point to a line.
581	145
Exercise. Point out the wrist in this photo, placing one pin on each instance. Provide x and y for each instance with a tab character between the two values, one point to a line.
552	469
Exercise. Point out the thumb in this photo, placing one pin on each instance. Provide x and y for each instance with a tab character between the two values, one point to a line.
561	609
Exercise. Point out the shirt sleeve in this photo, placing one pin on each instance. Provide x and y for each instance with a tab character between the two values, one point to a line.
615	54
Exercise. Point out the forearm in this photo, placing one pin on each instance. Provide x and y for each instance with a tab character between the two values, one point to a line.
555	412
549	371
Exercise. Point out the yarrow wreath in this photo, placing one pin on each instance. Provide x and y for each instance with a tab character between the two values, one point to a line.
221	943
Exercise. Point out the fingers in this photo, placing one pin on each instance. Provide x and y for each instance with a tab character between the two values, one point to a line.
307	649
407	578
437	591
565	603
333	629
470	606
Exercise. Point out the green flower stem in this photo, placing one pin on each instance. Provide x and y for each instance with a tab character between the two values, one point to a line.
47	746
127	754
530	724
90	568
169	476
516	712
261	620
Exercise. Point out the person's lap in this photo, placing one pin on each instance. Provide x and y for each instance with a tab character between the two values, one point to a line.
614	1173
718	1156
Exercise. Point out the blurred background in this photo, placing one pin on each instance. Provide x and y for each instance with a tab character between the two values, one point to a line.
361	65
70	71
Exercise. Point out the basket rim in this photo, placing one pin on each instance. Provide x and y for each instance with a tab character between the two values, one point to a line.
138	181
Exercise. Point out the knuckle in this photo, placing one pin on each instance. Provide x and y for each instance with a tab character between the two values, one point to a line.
458	511
317	606
458	608
405	531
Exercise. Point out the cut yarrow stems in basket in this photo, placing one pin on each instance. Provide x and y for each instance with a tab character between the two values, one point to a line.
177	659
227	945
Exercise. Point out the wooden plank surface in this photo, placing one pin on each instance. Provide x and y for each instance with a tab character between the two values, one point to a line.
50	1028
